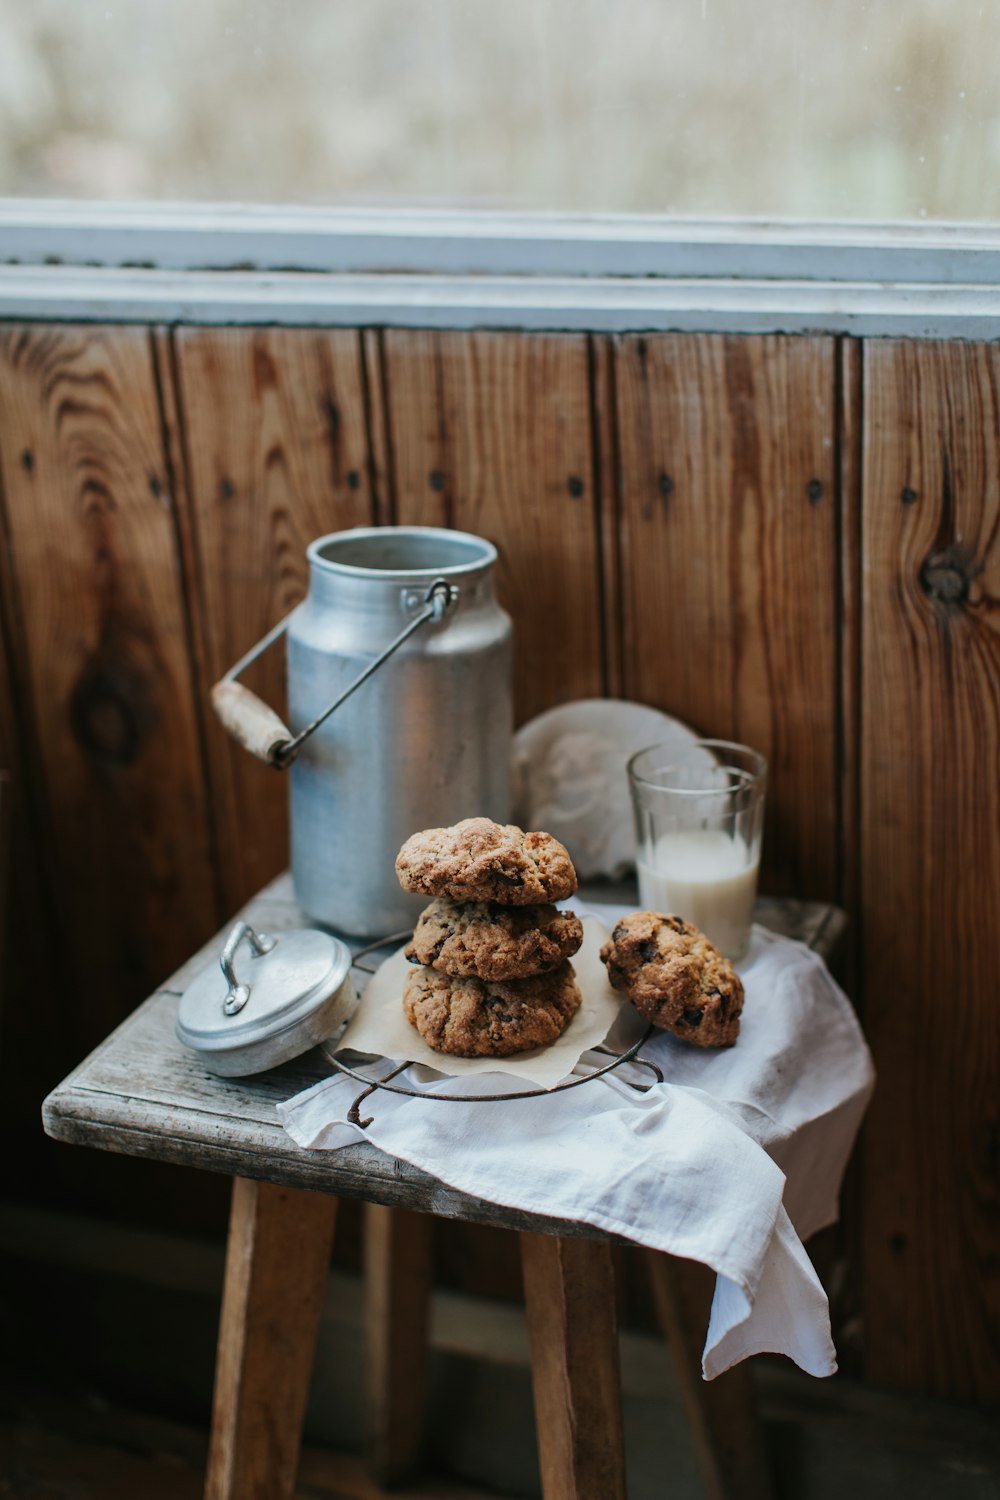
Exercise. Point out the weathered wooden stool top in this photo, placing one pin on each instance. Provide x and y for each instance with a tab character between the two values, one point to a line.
144	1094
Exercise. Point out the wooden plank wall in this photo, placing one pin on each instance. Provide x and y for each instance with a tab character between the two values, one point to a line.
792	541
272	443
930	861
728	537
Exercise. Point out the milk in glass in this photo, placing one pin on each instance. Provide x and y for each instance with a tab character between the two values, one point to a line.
708	878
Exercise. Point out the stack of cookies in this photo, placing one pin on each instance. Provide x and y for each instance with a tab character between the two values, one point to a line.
493	975
675	978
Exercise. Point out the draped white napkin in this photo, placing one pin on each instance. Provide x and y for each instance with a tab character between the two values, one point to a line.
732	1161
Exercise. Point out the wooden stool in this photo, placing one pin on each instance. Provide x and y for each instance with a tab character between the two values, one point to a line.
276	1270
143	1094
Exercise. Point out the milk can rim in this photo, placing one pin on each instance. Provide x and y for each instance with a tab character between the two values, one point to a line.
486	559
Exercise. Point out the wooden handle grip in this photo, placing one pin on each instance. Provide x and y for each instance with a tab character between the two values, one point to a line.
249	720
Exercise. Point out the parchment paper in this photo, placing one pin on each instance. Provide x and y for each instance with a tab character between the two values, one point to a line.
379	1026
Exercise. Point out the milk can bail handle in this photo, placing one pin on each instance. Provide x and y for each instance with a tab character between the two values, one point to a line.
259	729
260	943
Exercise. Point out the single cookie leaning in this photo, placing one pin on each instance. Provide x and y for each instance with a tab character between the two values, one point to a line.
477	1018
478	860
675	977
489	941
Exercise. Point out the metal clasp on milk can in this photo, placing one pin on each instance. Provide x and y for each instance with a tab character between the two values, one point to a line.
258	728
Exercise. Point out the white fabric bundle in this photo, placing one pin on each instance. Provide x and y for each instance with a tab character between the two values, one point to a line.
732	1161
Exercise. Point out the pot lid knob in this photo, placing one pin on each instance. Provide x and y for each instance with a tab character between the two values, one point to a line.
260	944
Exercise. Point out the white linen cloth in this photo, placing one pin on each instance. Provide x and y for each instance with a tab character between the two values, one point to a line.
732	1161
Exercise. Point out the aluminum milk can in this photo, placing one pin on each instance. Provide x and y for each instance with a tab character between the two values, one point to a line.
399	692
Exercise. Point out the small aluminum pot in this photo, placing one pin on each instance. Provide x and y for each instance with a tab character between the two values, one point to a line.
294	992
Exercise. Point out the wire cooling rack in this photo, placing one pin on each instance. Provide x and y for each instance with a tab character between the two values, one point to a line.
374	1085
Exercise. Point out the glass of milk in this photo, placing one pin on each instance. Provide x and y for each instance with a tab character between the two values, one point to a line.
699	818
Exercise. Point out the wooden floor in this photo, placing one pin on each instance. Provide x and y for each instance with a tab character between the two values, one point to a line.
80	1447
75	1445
88	1307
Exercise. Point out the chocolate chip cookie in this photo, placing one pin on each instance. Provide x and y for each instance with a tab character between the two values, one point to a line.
675	977
478	860
489	941
479	1018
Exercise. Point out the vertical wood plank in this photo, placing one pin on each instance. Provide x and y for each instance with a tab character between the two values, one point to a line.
849	459
606	472
32	973
277	455
398	1277
383	480
176	469
570	1302
930	863
47	984
837	1252
491	433
729	561
277	1261
105	659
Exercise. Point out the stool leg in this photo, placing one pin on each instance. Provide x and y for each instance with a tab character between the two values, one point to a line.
397	1304
722	1413
277	1262
569	1295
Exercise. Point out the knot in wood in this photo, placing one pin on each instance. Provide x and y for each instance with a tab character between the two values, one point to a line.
947	576
107	711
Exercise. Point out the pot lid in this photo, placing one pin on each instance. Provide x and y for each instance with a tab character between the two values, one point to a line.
283	979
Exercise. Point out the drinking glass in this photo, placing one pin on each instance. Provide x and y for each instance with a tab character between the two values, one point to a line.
699	817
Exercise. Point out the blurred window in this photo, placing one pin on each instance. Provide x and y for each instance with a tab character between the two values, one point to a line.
843	109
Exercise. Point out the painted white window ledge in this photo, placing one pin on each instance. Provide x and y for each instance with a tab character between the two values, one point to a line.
192	236
192	263
600	304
